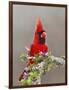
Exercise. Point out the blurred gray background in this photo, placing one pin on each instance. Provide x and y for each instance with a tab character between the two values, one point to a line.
24	19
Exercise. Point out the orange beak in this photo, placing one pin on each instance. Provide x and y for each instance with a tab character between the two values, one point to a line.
44	35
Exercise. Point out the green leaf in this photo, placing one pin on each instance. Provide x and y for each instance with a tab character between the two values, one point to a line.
23	57
24	82
29	81
39	58
50	66
31	74
34	74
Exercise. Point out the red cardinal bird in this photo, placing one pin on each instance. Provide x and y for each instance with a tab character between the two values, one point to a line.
39	40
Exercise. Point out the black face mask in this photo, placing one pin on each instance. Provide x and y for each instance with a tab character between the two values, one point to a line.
41	39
